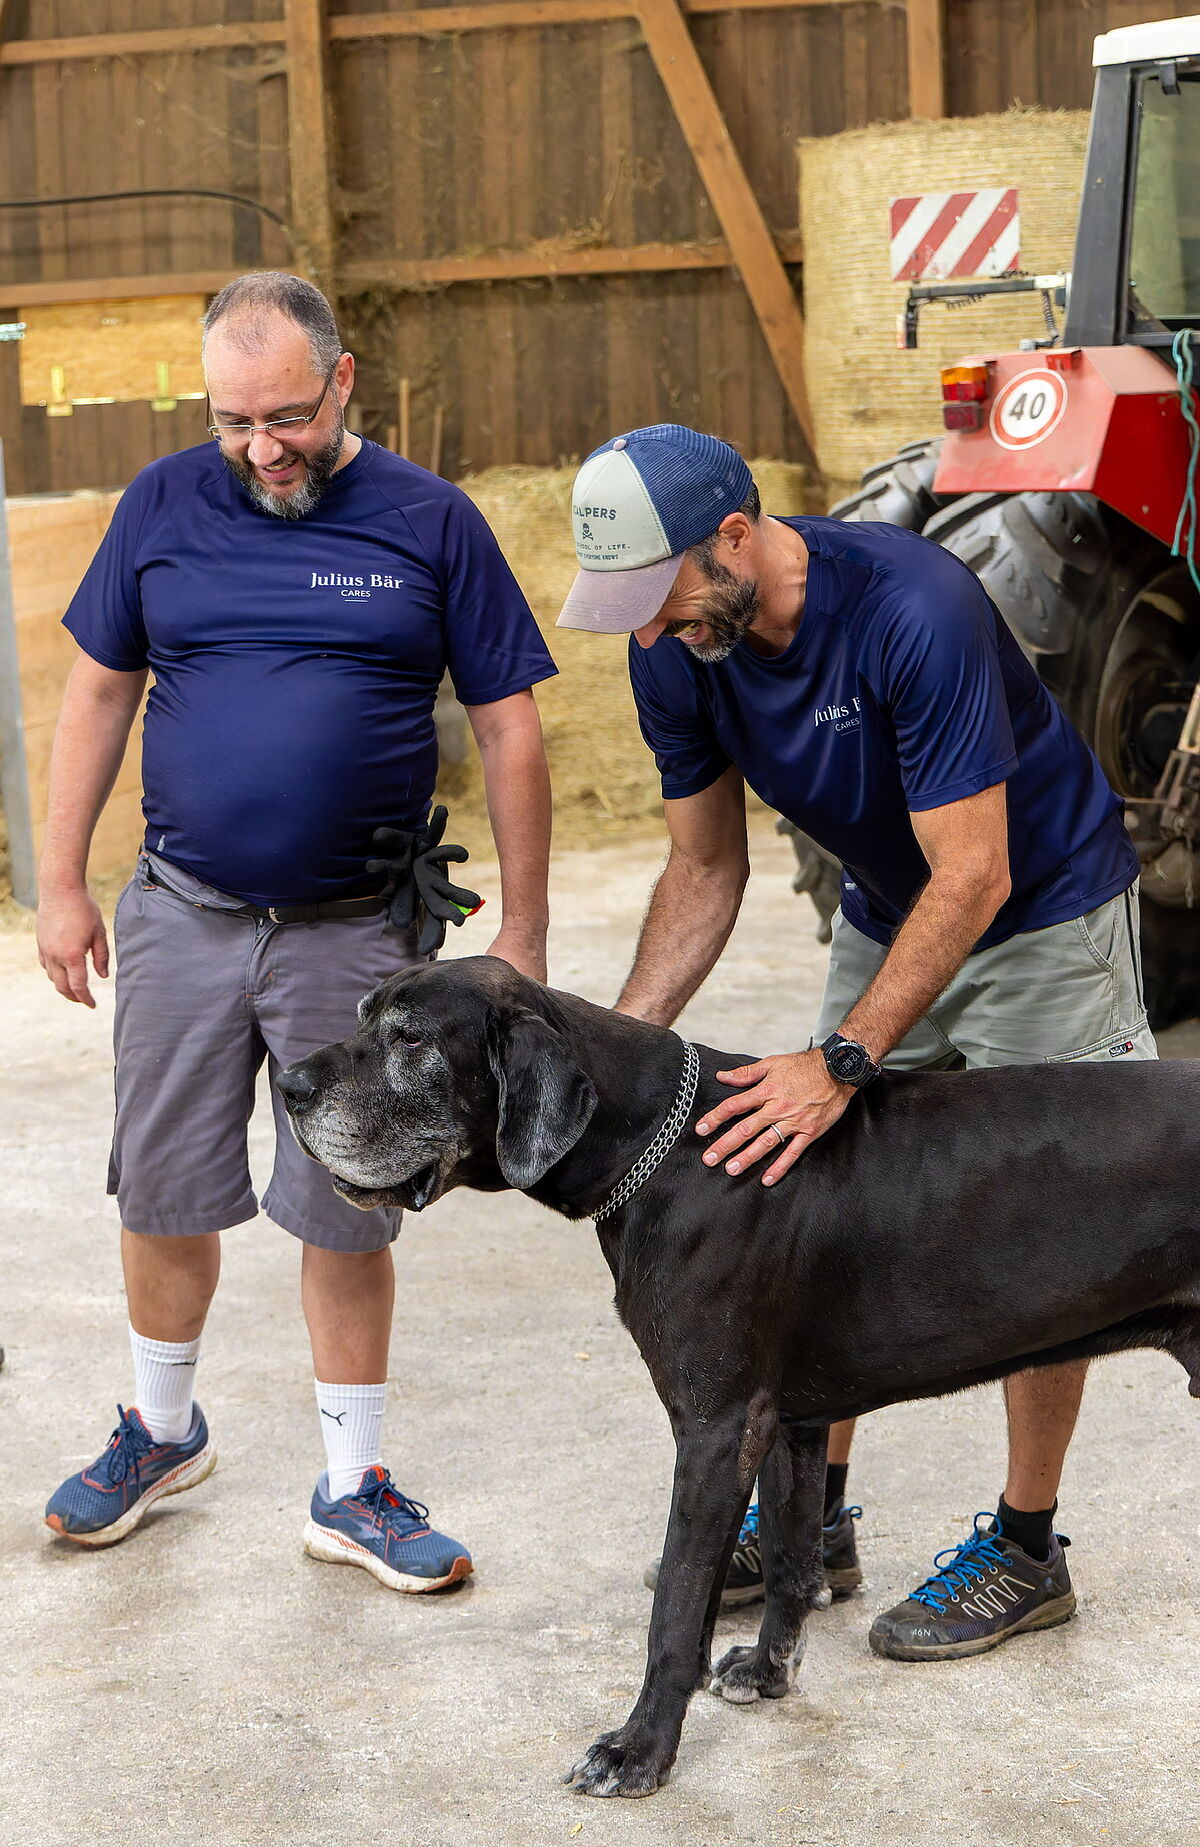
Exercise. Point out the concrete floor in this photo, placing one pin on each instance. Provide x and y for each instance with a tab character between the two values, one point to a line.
206	1683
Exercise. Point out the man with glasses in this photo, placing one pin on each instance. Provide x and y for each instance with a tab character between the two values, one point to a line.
297	593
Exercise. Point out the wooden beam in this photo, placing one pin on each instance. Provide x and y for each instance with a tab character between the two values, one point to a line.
310	138
165	41
170	41
541	264
411	273
733	198
428	22
515	13
926	24
113	288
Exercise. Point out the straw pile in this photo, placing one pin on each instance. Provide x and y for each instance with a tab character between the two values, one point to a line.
604	777
867	398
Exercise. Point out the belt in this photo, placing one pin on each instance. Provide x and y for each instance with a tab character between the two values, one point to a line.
366	904
309	913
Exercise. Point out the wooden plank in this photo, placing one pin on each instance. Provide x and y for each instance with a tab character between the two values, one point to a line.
516	13
500	266
112	350
310	138
164	41
113	288
423	23
927	58
733	199
526	265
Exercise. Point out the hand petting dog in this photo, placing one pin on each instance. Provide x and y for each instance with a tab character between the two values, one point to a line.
791	1101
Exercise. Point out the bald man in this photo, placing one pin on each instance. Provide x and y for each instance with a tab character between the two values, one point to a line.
297	593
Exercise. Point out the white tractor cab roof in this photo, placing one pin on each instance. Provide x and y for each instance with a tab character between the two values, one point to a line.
1157	39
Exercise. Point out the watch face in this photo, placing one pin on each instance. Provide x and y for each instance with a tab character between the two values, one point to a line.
848	1062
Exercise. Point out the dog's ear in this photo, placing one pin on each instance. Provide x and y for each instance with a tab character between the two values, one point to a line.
546	1101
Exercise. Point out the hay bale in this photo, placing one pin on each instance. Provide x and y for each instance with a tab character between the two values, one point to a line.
604	777
868	398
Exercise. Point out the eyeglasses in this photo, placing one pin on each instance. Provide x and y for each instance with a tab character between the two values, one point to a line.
242	432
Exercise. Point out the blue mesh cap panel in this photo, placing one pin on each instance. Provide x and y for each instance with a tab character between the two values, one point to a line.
694	481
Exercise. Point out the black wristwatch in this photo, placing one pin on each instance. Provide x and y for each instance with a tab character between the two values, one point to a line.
848	1061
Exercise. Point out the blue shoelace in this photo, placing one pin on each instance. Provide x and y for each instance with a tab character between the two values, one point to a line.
127	1445
750	1523
966	1566
385	1500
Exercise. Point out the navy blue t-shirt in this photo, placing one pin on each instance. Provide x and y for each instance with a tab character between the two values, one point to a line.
902	690
296	662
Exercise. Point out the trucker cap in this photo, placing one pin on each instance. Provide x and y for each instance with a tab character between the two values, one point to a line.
636	506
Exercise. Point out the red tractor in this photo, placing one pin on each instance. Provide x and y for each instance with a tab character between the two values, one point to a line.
1068	477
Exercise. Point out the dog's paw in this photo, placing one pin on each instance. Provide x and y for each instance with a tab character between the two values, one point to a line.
615	1766
742	1676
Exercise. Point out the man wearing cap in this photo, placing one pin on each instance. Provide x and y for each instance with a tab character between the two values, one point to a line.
860	680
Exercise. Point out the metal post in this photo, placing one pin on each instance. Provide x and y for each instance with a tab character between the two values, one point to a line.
14	777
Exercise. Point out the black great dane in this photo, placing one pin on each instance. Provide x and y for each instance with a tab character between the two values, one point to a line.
950	1229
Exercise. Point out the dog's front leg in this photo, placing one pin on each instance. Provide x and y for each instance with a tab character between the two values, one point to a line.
712	1487
791	1494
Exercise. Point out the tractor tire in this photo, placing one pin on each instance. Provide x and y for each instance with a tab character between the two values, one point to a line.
899	492
1036	555
1112	624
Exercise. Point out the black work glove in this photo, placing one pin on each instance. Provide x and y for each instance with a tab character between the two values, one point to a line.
417	886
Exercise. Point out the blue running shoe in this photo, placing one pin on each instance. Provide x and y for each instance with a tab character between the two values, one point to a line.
103	1503
980	1593
387	1534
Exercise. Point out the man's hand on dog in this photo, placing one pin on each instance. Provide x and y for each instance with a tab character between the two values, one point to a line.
793	1091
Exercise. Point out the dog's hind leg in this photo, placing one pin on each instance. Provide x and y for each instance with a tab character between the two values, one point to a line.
791	1492
714	1471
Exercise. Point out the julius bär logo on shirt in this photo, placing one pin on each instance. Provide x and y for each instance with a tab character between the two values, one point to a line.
354	586
841	717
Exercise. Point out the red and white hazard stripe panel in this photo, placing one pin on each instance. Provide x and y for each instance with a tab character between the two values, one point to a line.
939	235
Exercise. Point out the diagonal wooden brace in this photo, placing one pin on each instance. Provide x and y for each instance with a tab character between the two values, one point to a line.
733	199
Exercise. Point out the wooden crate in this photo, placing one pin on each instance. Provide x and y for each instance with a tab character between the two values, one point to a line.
51	541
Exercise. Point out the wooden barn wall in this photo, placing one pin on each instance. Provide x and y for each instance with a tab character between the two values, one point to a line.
565	136
457	146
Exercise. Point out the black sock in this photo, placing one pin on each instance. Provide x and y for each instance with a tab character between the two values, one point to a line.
835	1489
1030	1531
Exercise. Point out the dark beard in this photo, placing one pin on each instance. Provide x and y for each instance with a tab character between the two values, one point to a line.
727	613
319	470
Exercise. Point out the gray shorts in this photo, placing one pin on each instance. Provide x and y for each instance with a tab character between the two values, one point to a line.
202	997
1072	991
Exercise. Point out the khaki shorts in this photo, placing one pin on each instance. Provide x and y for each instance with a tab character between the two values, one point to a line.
203	996
1072	991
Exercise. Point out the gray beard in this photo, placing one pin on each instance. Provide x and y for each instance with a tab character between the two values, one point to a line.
728	613
319	470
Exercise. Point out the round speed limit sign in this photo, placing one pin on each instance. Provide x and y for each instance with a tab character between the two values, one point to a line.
1028	408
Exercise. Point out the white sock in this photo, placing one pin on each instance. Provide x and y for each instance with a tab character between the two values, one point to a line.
164	1373
351	1424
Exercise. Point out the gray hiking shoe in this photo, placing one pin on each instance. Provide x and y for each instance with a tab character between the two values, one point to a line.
744	1579
987	1590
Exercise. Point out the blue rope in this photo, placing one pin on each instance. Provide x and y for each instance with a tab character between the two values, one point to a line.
1184	545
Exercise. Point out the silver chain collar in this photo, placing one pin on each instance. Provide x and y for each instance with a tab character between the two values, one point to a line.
658	1150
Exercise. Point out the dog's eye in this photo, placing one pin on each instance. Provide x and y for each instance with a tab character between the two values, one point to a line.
406	1035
